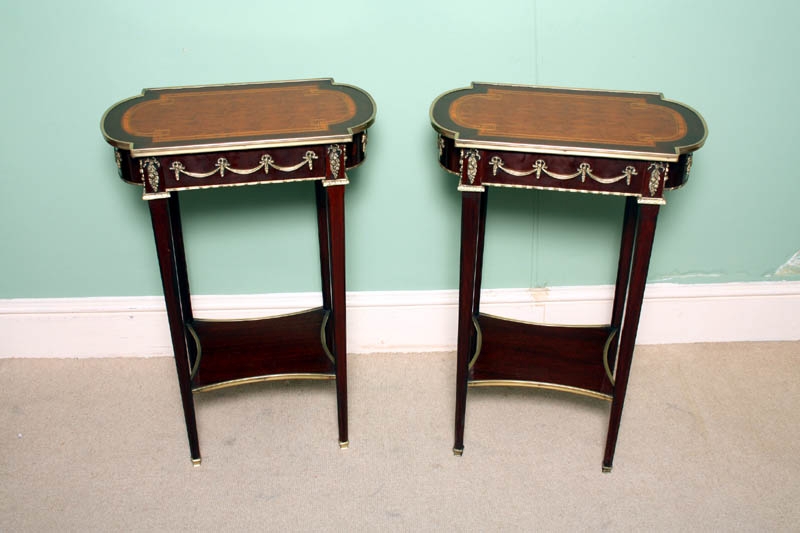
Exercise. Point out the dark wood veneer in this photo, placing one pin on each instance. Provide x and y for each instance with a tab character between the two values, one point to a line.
186	119
571	356
631	144
173	140
604	167
233	350
553	120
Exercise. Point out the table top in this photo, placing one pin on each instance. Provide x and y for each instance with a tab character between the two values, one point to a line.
186	120
576	122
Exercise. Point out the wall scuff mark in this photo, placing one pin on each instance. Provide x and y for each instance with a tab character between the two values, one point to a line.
790	267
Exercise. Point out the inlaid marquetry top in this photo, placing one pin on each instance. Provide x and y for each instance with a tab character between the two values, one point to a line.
184	120
568	121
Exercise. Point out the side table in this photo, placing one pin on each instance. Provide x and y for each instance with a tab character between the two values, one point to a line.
630	144
177	139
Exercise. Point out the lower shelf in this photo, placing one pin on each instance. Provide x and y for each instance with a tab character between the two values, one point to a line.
232	352
570	358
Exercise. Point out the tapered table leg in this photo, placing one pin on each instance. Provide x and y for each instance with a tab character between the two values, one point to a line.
172	264
473	206
182	271
476	297
623	273
335	217
324	243
642	247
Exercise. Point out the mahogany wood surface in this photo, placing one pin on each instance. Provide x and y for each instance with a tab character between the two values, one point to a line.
336	266
571	356
451	158
130	169
471	246
628	144
578	121
238	349
645	221
178	139
623	274
170	260
255	115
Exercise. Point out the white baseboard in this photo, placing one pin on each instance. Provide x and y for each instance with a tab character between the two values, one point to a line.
404	321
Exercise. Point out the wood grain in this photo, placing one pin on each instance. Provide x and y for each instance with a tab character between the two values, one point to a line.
568	118
235	112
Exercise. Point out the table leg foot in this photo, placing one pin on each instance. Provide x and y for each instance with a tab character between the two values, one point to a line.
344	445
196	462
606	469
458	452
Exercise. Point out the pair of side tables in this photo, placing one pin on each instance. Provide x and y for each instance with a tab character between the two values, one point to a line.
635	145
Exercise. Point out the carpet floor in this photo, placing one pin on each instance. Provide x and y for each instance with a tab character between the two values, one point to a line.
708	442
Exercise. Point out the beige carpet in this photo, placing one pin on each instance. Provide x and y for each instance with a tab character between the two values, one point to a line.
709	442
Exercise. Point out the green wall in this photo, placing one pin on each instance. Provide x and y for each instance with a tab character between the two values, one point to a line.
70	228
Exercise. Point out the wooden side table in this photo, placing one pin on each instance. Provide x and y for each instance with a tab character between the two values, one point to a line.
629	144
178	139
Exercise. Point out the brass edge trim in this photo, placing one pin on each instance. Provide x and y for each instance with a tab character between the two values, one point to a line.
116	143
651	201
673	188
478	342
568	150
155	195
324	338
546	324
540	188
258	379
233	146
222	185
605	356
440	164
438	127
371	120
471	188
539	385
253	319
199	346
332	183
212	147
351	167
344	445
689	148
196	462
